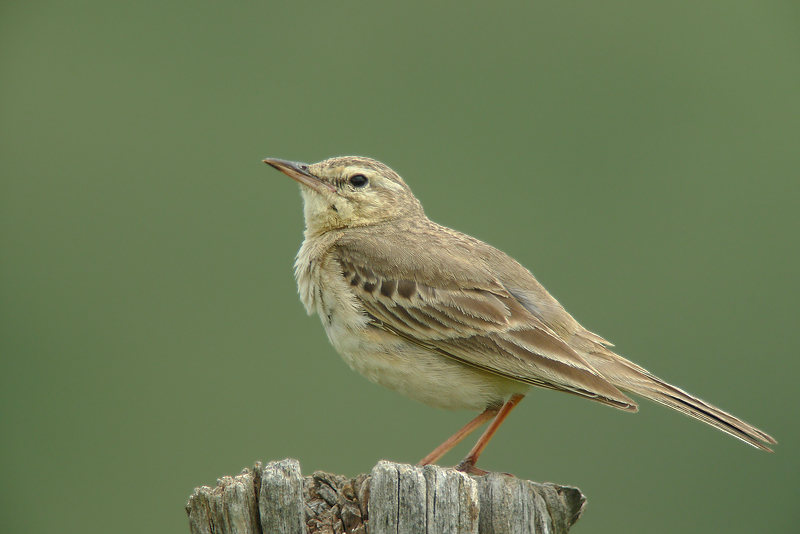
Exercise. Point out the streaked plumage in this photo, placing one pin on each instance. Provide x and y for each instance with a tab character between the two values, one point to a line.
443	317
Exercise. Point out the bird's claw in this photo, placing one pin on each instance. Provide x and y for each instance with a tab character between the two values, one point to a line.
468	467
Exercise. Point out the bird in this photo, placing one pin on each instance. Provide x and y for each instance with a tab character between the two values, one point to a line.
449	320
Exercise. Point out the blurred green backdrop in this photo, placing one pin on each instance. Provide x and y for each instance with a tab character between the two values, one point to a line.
643	160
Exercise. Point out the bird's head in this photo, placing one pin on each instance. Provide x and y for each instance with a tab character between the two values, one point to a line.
349	191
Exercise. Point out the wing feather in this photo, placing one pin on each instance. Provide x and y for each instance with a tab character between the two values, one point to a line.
479	324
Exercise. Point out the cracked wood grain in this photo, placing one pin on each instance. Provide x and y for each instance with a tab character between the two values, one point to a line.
393	499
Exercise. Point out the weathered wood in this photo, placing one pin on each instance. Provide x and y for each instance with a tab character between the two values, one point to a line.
393	499
280	498
422	499
231	507
513	506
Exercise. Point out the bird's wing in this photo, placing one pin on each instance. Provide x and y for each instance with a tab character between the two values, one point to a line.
471	318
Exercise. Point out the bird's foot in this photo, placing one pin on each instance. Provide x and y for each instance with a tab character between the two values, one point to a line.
468	466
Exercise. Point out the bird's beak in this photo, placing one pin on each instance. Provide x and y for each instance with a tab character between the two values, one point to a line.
299	172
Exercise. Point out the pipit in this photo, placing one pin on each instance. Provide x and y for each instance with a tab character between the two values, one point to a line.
446	319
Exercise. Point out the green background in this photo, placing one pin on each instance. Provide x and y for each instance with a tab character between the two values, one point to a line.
642	159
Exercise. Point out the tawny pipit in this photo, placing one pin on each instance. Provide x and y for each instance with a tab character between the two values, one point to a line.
446	319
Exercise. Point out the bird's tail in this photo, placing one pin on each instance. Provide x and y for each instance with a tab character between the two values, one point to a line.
631	378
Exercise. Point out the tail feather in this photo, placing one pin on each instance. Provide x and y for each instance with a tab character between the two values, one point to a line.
631	378
679	400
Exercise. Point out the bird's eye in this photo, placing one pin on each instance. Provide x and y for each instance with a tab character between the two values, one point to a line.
359	180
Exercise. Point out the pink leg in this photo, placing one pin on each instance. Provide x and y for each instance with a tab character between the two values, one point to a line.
470	427
467	465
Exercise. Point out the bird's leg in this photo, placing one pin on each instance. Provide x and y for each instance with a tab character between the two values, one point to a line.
467	465
468	429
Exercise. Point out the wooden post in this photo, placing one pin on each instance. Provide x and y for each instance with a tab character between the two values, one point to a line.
393	499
